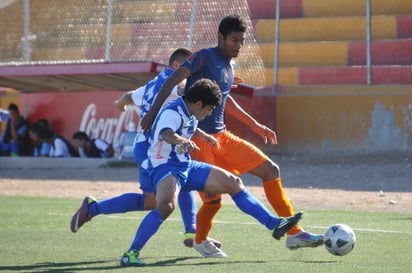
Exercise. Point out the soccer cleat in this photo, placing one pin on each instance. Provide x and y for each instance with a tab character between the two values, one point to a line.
304	239
208	250
131	258
189	238
82	215
286	224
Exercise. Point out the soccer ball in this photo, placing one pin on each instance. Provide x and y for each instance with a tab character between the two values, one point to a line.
339	239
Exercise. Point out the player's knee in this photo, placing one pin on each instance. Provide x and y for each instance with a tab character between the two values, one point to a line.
165	209
268	170
149	202
214	202
236	185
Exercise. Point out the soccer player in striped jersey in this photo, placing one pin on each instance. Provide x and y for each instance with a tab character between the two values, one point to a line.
172	170
142	97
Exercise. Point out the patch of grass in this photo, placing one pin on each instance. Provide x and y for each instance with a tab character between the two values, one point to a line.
35	237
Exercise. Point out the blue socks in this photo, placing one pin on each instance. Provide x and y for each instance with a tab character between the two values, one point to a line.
148	227
188	210
119	204
252	206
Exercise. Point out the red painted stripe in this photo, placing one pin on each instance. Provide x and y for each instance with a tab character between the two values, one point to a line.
388	52
404	26
355	75
78	69
266	9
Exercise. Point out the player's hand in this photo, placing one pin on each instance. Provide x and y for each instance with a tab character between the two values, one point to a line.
119	105
186	147
209	139
268	135
236	81
147	122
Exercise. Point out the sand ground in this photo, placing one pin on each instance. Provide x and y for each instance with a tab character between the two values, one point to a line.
371	181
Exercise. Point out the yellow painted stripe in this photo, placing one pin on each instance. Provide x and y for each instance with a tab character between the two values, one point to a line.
331	8
146	11
320	8
326	29
286	76
306	54
51	54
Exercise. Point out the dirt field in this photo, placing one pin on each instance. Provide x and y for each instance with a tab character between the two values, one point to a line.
378	181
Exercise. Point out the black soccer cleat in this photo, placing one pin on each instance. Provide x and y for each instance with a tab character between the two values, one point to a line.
286	224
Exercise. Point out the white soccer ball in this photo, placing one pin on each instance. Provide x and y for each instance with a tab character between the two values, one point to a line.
339	239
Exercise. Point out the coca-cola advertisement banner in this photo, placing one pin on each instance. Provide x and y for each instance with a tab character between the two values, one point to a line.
91	112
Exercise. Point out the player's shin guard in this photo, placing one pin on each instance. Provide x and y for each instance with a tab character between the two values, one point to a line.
119	204
188	210
148	227
204	220
277	198
250	205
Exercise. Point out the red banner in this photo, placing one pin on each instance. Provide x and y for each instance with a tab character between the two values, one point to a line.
91	112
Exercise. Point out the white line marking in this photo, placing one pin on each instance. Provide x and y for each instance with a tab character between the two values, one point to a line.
255	223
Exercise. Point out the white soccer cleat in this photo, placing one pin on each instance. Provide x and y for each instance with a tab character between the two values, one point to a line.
304	239
208	250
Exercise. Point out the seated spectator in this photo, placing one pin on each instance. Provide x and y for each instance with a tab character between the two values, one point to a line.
40	148
91	147
59	146
14	141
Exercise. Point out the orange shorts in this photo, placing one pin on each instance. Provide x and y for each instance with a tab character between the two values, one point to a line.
232	153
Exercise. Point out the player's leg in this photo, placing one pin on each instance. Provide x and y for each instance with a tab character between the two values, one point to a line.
90	207
188	210
211	203
219	180
166	193
263	167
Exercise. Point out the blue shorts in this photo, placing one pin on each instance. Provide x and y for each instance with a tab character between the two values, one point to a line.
140	154
190	175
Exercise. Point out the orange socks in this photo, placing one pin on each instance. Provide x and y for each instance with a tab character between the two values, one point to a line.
204	220
279	201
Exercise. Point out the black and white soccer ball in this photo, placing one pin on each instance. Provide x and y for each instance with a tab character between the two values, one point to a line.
339	239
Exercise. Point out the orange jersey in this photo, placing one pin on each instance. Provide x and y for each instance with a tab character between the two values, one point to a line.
231	153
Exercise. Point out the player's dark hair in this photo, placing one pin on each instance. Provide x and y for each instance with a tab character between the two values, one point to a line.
44	133
179	55
204	90
80	135
43	122
35	128
231	23
13	107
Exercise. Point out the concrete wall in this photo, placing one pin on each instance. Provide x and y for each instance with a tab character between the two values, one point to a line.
325	118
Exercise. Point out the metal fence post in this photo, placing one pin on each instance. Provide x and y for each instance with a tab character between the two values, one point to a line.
276	55
192	24
26	38
108	30
368	43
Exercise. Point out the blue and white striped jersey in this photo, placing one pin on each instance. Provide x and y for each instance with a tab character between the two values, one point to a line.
173	116
145	96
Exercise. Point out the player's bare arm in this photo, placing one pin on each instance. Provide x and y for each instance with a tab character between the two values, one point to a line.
178	76
184	145
123	101
235	110
236	81
206	137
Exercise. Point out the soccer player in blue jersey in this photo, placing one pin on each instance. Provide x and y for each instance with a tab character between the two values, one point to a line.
172	170
142	97
233	153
